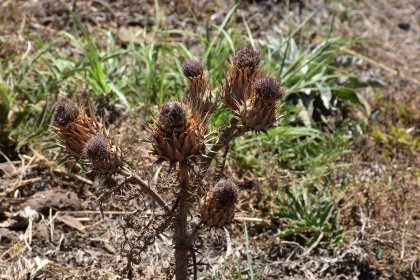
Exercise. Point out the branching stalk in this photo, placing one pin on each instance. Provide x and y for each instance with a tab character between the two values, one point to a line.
230	133
133	178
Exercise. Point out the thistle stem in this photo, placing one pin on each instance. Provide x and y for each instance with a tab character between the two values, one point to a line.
230	133
181	229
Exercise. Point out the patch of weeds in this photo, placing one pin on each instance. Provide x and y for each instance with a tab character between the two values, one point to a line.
304	199
317	74
237	271
310	216
295	148
394	128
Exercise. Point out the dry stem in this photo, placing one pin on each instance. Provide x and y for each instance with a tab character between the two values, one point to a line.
230	133
132	177
181	230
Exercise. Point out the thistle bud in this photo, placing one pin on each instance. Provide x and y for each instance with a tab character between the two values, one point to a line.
260	112
225	193
268	89
178	135
102	154
246	57
192	68
173	114
74	126
96	148
218	206
242	73
200	97
66	111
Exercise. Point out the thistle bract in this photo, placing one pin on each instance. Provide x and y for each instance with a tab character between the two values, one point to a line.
218	206
179	134
259	112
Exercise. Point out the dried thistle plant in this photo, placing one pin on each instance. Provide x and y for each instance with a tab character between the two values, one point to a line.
178	136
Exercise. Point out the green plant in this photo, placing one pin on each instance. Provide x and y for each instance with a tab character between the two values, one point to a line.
315	74
4	109
309	214
300	200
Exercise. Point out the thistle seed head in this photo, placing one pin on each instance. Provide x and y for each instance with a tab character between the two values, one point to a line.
246	57
66	111
173	114
269	89
96	148
192	68
225	192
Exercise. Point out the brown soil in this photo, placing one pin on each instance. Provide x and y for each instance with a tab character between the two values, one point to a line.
381	213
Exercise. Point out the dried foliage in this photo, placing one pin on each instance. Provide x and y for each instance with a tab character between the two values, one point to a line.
74	126
200	97
178	135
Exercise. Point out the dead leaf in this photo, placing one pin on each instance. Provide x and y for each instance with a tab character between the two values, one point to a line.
71	222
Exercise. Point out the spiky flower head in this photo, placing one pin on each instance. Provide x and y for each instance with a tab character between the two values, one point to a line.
173	114
259	112
269	89
218	206
104	157
225	192
96	148
246	57
200	97
192	68
241	75
74	126
179	134
66	111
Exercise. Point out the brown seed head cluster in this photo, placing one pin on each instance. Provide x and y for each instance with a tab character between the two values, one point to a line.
268	89
102	154
96	148
74	126
225	193
66	111
84	136
218	206
192	68
246	57
179	134
241	75
200	96
254	100
173	114
260	111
